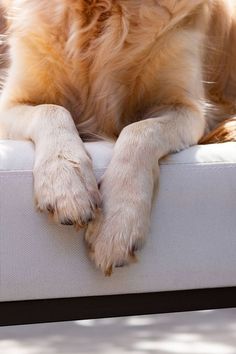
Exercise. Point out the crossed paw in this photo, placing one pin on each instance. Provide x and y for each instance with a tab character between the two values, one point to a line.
117	220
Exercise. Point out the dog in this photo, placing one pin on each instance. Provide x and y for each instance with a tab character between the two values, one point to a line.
155	76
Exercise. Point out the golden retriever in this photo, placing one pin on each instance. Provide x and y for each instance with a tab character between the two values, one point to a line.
154	75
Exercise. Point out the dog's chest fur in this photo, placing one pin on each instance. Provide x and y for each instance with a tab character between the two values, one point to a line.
114	66
105	66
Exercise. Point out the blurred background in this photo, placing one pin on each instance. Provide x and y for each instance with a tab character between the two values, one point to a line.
204	332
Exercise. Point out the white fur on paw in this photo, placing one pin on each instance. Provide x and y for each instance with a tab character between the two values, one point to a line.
114	238
66	188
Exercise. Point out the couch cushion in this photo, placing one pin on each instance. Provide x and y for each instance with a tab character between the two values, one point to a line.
192	241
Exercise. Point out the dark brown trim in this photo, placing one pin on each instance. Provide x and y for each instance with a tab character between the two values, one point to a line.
68	309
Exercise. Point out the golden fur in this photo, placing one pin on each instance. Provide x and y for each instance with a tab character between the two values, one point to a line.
78	45
168	65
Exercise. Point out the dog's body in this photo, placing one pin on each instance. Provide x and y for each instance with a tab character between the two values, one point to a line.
146	72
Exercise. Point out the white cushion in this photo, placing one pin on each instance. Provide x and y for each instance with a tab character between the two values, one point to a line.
192	243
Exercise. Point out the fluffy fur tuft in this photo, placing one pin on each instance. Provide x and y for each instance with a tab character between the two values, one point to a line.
223	133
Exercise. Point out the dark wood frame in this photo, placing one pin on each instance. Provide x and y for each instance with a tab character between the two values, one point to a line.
79	308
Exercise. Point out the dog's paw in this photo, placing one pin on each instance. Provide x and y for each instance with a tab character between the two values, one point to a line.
114	237
66	188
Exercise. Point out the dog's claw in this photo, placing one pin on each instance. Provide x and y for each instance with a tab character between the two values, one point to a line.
67	222
108	272
50	209
121	264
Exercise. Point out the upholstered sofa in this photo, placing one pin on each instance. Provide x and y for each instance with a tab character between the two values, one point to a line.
189	261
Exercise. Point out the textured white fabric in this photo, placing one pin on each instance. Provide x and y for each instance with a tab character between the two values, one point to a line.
192	243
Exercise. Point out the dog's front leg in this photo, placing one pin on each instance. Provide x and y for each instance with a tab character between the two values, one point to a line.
64	183
128	184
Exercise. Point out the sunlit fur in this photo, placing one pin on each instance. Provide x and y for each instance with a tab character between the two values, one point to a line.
156	74
96	68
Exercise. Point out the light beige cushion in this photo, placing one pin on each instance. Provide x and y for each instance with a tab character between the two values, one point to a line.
192	243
